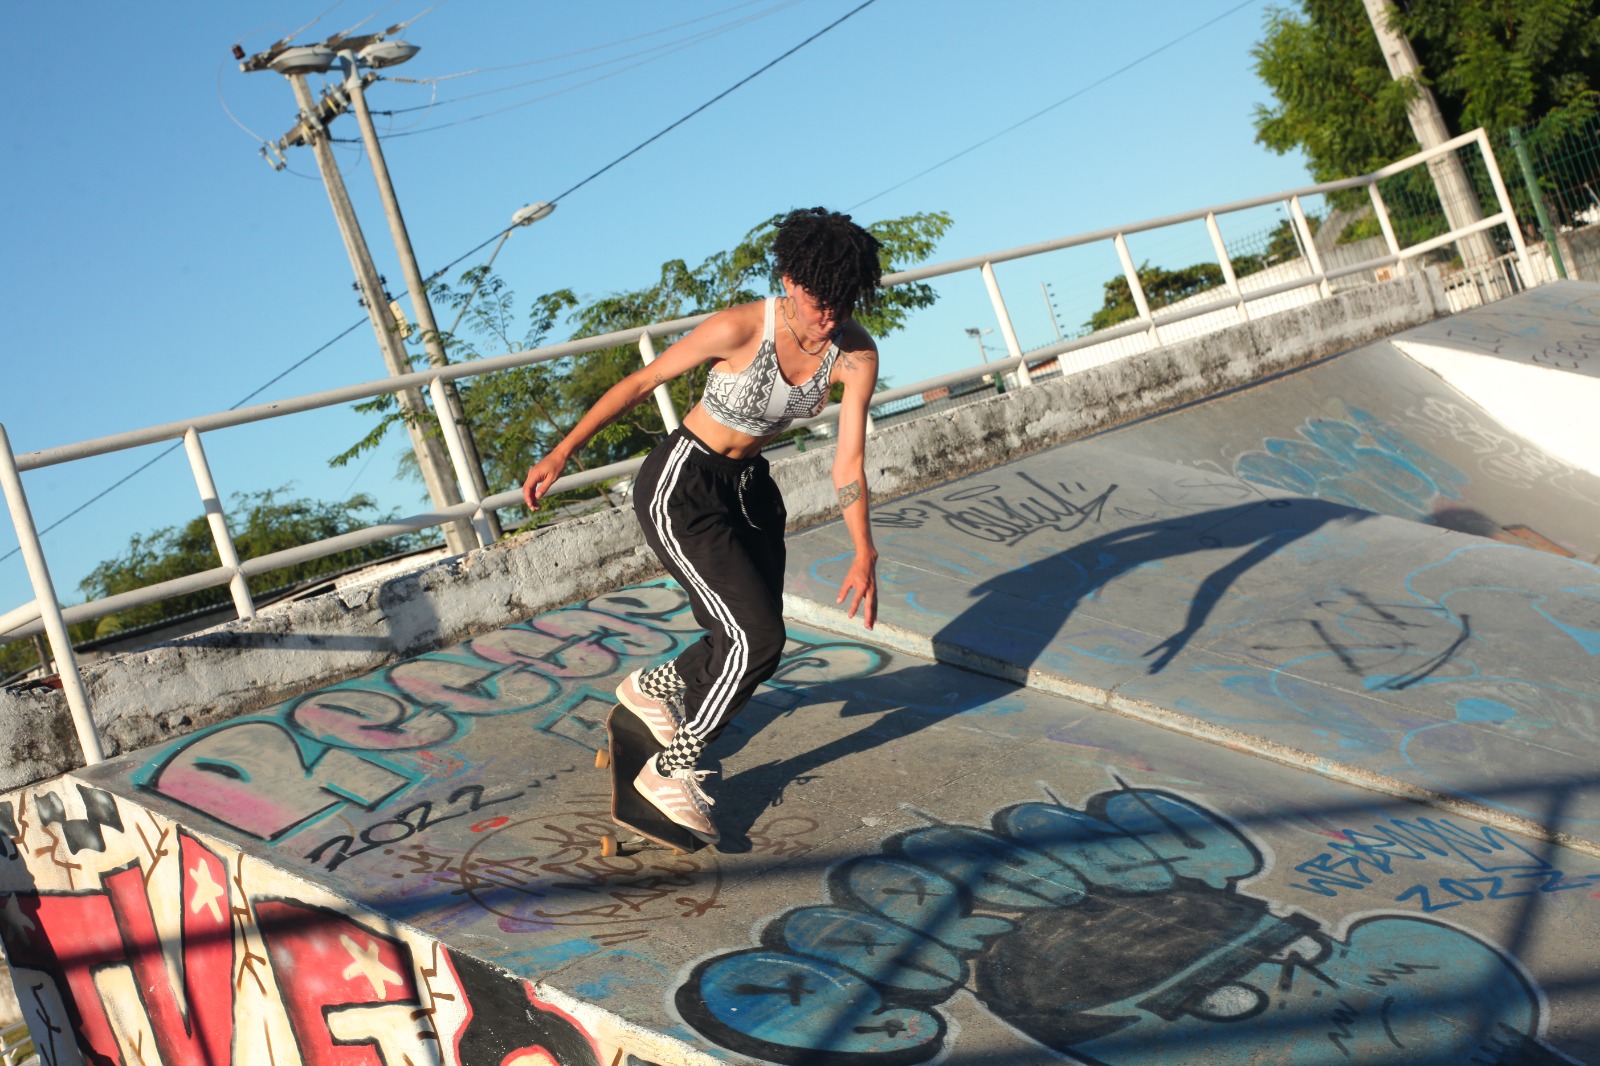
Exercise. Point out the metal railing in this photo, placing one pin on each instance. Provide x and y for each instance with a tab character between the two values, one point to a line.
45	614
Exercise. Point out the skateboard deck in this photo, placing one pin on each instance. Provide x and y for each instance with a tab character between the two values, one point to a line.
629	747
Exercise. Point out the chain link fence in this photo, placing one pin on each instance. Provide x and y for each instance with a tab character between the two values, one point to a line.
1553	170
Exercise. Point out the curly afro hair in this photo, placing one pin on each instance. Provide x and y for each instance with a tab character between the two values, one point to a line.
831	257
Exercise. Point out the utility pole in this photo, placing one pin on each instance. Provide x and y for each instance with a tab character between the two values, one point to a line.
436	472
1050	305
295	62
415	285
1460	203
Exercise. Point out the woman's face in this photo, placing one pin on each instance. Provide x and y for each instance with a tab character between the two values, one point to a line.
817	320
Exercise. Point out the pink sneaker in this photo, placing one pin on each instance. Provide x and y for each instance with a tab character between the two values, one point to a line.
678	796
659	716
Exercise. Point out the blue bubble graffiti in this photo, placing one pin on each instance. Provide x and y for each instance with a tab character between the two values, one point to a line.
1363	462
1115	933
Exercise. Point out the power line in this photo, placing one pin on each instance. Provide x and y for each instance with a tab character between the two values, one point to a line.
664	49
580	51
742	81
331	9
175	446
1042	111
352	29
472	251
689	42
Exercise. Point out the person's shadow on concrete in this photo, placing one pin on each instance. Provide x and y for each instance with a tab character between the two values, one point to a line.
892	705
1014	617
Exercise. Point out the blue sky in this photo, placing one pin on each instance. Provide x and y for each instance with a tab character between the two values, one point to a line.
159	269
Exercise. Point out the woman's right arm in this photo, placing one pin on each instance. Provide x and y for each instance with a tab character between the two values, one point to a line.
718	336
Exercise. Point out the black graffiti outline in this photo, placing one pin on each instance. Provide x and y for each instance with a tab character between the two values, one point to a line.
427	821
86	833
998	520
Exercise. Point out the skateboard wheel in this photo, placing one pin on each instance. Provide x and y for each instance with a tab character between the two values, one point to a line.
602	758
608	845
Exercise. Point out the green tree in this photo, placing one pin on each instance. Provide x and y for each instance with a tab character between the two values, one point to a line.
1161	288
520	414
1490	63
260	523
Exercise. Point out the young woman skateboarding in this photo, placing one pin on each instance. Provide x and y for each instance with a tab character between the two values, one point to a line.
709	507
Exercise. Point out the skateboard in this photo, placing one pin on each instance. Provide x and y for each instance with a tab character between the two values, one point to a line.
629	747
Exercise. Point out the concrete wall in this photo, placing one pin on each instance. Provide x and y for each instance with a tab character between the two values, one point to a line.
158	944
177	687
1580	252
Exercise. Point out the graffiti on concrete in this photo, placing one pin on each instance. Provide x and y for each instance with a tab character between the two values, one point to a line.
1361	462
988	513
1115	932
156	953
135	941
1539	340
1384	856
382	743
1501	457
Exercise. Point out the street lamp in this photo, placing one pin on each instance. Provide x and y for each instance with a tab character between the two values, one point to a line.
523	216
978	334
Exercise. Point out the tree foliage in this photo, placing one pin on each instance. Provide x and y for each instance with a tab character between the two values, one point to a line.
260	523
1161	288
519	415
1490	63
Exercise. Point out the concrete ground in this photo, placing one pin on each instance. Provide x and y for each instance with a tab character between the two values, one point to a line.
1261	732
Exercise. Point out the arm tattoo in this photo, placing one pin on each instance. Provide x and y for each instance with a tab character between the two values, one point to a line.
854	360
849	494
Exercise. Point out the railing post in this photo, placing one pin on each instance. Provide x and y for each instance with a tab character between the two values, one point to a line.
1136	289
1505	206
1381	209
669	414
238	586
1226	264
1004	318
44	590
1297	216
458	459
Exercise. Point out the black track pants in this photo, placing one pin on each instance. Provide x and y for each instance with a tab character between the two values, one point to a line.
716	524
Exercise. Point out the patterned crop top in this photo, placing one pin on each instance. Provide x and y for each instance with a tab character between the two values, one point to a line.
757	400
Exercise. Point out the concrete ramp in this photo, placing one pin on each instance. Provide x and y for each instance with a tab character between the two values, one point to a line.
1257	734
1285	567
1532	361
1376	430
921	864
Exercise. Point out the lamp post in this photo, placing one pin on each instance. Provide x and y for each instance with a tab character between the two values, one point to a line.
977	334
983	351
523	216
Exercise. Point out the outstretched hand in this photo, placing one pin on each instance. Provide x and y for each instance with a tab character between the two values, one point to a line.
861	585
541	476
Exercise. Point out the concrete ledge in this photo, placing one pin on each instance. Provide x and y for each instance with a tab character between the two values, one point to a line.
182	685
896	638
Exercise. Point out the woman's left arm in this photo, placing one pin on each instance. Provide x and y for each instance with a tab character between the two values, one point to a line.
857	370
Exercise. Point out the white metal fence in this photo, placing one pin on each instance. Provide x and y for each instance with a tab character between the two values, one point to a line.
1306	278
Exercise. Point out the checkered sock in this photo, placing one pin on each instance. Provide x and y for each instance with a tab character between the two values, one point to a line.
681	754
662	682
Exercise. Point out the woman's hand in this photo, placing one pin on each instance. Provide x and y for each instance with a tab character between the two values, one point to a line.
541	476
861	585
